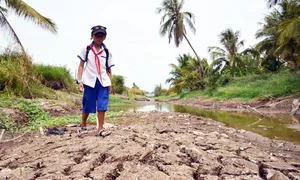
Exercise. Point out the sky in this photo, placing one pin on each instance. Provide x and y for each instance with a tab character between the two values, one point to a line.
140	54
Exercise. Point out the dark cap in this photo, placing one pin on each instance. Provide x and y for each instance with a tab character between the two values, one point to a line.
98	29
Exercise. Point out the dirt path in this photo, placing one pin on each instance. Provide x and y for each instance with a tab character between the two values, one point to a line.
152	145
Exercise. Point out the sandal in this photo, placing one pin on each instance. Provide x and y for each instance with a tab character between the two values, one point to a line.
104	133
82	130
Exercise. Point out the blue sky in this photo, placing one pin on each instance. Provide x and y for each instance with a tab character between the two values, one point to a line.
141	55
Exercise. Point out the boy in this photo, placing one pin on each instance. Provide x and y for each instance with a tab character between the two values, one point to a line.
95	78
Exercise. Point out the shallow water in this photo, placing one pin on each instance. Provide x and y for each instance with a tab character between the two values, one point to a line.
281	126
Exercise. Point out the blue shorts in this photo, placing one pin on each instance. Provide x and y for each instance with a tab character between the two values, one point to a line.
95	97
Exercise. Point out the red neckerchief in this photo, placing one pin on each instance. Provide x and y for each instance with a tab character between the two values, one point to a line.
97	61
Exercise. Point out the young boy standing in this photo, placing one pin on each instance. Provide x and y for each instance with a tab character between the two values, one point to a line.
95	78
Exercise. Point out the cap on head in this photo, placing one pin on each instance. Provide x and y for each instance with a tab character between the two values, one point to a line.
99	29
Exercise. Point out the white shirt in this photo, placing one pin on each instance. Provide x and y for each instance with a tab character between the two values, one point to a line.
90	73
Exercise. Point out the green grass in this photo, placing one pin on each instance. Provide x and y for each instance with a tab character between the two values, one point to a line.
38	118
23	83
19	77
55	74
115	100
167	98
254	86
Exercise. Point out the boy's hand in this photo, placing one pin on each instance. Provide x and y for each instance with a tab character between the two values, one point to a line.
109	89
80	87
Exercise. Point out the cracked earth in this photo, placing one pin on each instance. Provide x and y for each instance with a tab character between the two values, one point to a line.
152	145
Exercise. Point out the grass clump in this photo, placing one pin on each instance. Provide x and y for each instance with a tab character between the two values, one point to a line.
254	86
55	77
20	77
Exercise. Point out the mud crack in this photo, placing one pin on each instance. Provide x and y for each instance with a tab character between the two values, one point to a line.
115	172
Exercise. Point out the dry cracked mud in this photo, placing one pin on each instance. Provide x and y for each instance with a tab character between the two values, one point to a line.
152	145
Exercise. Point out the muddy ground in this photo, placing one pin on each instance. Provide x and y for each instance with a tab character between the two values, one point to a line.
151	145
264	106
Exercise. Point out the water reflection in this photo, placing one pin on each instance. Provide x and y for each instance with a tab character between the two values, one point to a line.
268	127
280	126
161	107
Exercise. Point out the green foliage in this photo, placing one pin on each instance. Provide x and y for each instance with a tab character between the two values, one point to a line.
18	76
38	118
55	77
117	101
118	84
280	33
132	92
157	90
254	86
5	123
185	75
227	58
134	86
166	97
174	19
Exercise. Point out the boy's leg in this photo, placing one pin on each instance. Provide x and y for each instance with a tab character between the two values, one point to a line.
89	104
101	116
84	119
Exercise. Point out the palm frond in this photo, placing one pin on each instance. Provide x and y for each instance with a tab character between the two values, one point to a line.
216	69
180	5
6	25
219	61
23	9
3	10
165	27
272	3
171	31
289	29
189	20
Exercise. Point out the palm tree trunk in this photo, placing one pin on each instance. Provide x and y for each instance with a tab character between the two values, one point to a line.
14	33
232	65
201	68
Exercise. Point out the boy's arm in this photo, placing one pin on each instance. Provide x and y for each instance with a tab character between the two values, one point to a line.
109	73
79	76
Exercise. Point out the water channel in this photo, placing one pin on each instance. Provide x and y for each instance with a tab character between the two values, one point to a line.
281	126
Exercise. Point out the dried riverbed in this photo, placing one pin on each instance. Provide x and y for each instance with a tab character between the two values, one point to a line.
151	145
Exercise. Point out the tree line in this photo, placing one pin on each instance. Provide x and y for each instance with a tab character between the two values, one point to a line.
278	48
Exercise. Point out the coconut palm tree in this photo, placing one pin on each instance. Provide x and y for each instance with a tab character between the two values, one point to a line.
289	33
22	9
280	31
229	57
173	23
177	73
256	55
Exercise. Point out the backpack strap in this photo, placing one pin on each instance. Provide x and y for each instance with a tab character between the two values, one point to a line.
88	48
106	62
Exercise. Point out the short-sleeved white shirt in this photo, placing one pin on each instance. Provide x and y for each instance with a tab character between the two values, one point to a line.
90	73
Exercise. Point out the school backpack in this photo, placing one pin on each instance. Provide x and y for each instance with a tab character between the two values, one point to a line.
88	48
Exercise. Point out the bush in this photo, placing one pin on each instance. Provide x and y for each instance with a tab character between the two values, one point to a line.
157	90
55	77
18	76
118	84
253	86
131	92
